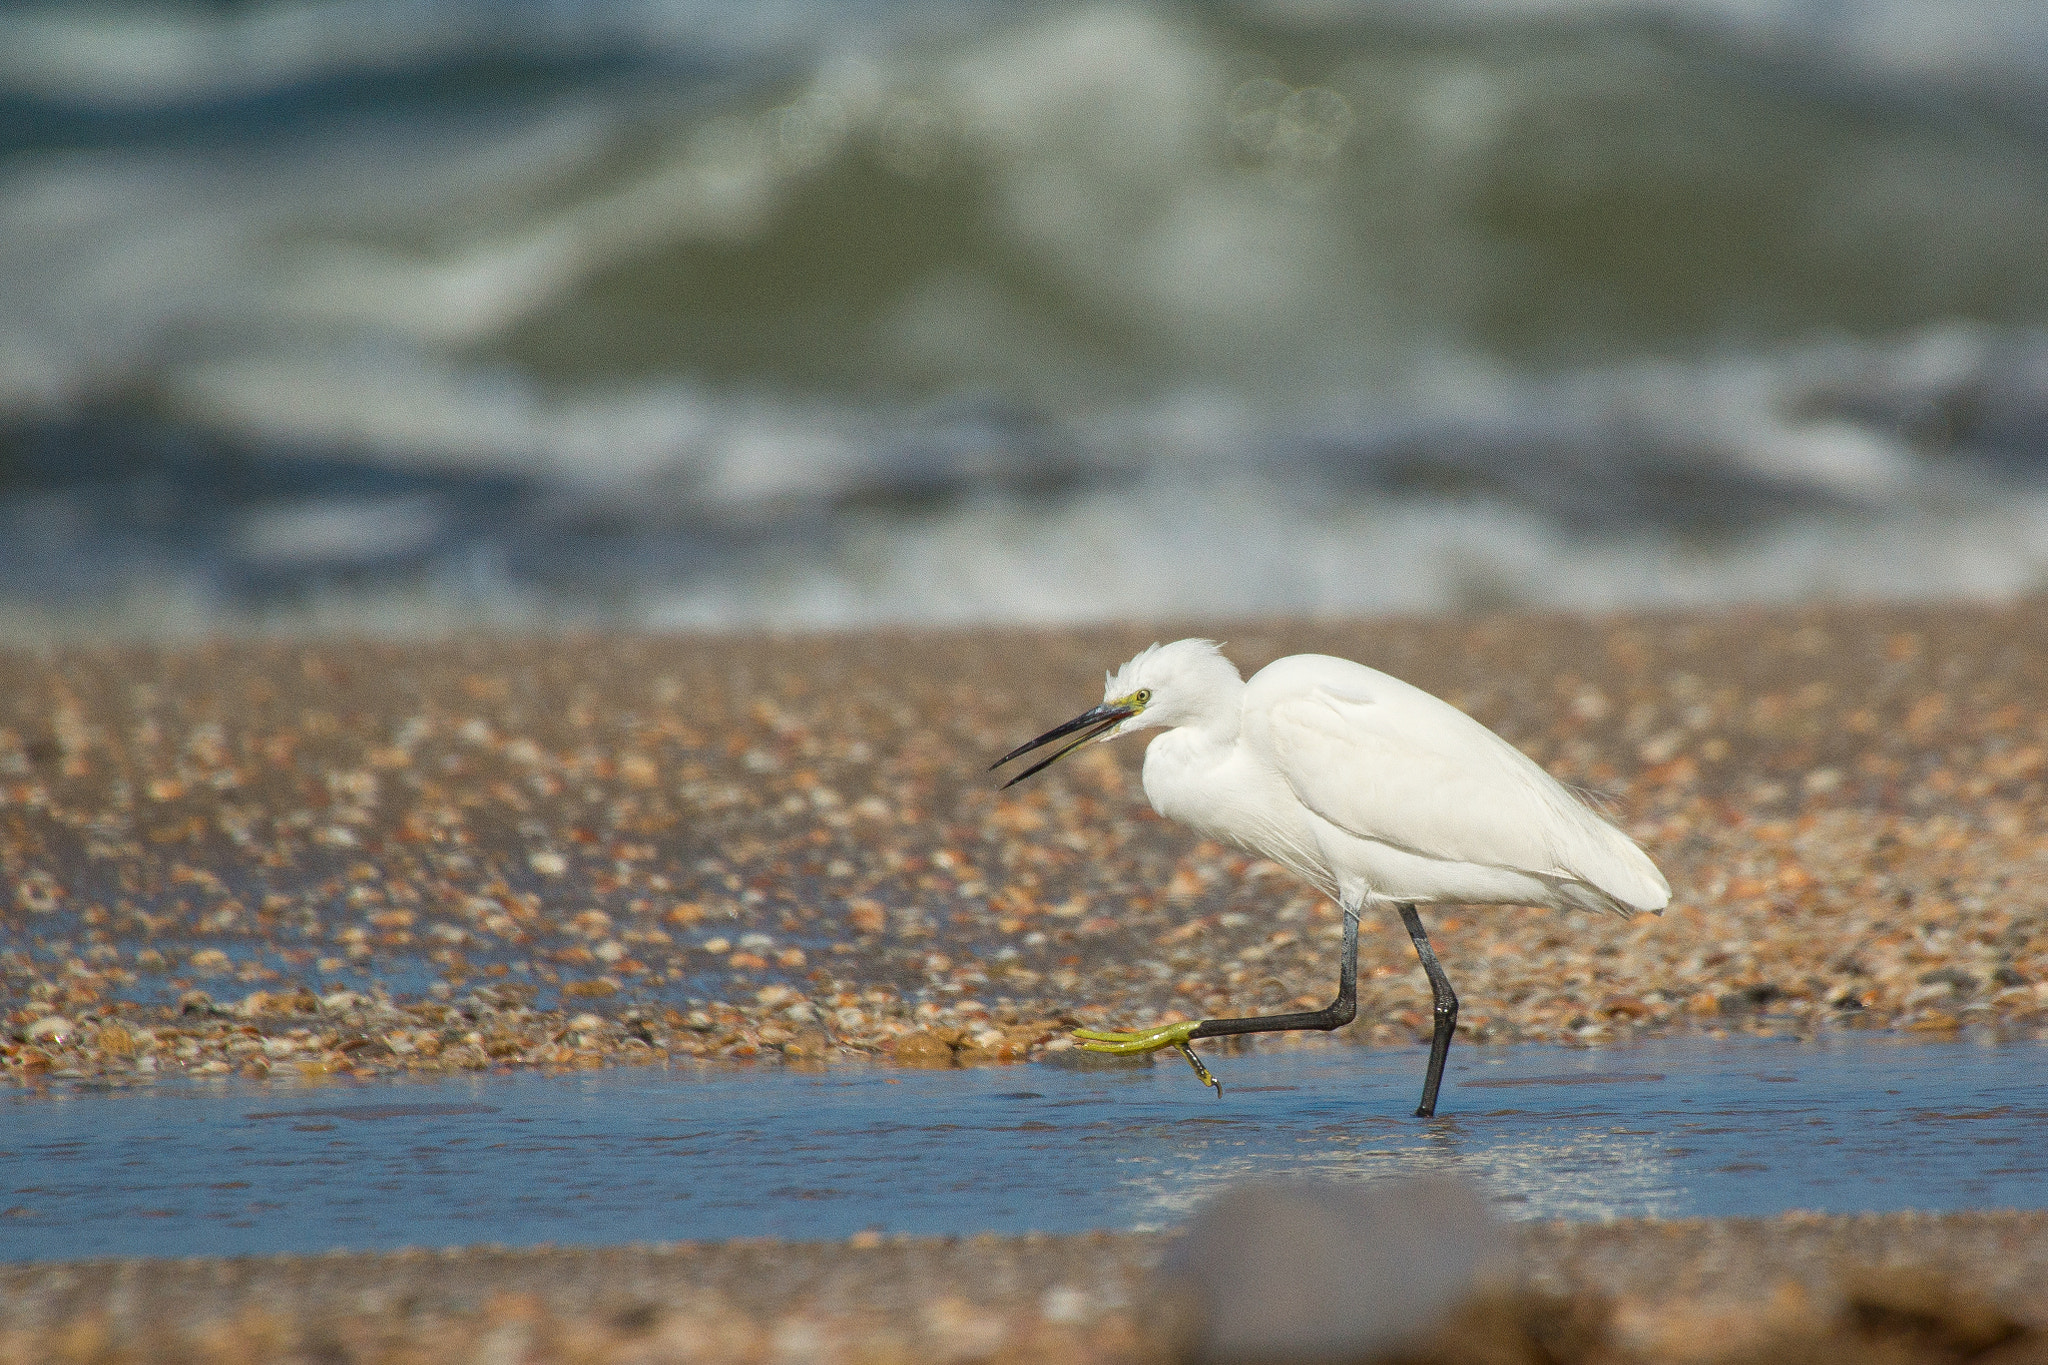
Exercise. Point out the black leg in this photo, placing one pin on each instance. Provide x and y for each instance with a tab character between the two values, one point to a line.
1446	1012
1336	1014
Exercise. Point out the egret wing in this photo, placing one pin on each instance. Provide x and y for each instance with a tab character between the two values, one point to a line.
1383	760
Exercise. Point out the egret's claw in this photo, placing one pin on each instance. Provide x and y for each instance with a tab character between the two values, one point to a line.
1201	1072
1150	1040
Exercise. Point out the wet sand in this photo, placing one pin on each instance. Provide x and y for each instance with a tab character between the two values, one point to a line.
1902	1288
369	859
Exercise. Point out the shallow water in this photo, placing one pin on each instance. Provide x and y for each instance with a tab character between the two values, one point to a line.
1673	1129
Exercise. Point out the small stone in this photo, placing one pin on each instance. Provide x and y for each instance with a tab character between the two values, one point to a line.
1306	1270
810	1042
986	1048
922	1049
1063	1303
52	1029
1922	1305
115	1041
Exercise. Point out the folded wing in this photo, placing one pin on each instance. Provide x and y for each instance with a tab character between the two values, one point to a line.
1385	761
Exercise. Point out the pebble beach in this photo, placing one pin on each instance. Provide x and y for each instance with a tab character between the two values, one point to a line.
323	863
372	859
525	528
1896	1288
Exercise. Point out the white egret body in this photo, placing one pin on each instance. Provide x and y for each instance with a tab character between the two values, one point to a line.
1373	791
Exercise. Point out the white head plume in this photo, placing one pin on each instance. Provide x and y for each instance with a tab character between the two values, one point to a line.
1189	682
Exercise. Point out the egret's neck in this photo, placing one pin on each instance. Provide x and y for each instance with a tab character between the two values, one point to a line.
1214	716
1198	741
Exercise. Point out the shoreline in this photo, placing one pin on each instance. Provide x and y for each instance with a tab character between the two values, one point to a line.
366	859
1905	1286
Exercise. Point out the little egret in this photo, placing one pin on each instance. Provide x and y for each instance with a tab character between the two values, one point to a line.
1372	791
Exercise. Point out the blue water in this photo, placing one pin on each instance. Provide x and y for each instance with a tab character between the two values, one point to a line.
1672	1130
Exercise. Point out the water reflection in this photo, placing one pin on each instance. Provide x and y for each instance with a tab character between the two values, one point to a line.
1572	1162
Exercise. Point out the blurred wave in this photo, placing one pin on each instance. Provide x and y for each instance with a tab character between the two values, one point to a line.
408	313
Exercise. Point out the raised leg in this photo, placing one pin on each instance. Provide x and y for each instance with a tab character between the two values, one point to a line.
1446	1012
1336	1014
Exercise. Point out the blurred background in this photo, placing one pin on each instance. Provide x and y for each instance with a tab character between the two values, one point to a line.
409	315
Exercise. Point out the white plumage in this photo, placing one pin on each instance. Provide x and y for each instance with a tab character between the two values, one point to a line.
1368	788
1371	790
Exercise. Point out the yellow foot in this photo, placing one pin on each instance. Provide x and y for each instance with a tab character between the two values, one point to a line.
1143	1040
1150	1040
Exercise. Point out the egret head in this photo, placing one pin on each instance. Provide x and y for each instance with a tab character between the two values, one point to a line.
1174	684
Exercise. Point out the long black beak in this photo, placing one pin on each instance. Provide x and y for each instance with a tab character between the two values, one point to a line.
1089	723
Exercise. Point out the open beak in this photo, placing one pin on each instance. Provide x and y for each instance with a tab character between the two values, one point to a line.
1090	724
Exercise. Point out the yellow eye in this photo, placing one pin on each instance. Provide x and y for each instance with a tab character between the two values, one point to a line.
1143	695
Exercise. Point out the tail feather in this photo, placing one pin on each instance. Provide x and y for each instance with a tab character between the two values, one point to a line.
1611	871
